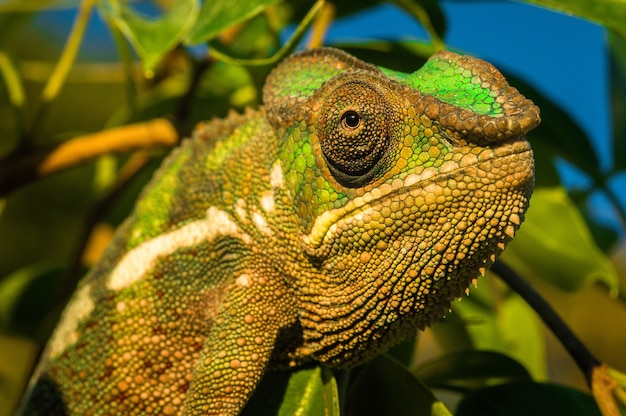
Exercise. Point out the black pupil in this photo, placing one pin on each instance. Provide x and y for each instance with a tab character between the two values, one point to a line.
352	119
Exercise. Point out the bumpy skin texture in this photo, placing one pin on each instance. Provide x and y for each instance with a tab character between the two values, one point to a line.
335	221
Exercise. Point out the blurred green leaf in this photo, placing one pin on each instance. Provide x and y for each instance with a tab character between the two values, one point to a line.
527	398
255	39
452	334
221	88
610	13
522	334
475	314
219	15
152	38
27	296
470	369
384	387
555	245
498	320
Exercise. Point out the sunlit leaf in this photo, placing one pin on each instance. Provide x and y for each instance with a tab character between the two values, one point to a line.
385	387
304	394
527	398
218	15
452	334
475	318
522	334
498	320
152	38
470	369
555	245
607	12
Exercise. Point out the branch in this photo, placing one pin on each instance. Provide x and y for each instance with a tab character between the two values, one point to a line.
26	169
597	375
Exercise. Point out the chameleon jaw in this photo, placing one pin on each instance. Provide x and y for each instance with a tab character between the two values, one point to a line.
325	225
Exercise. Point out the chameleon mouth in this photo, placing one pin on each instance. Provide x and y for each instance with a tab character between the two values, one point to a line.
514	154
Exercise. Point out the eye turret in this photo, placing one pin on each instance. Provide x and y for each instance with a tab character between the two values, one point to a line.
354	132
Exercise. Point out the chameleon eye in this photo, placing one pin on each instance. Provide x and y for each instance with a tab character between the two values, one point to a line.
353	132
350	119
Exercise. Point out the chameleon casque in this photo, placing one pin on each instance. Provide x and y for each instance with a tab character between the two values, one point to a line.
336	220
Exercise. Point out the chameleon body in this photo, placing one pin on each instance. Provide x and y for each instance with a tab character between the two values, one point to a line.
339	218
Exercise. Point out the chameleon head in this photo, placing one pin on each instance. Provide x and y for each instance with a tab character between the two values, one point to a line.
406	187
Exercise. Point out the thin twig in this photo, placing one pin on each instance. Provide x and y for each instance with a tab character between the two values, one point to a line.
584	359
57	79
15	90
282	52
602	384
419	12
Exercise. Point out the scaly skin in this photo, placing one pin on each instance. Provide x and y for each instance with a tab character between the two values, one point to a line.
335	221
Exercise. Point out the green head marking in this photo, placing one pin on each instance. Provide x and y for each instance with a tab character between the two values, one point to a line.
457	82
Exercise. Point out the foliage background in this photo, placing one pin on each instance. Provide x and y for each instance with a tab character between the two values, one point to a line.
53	229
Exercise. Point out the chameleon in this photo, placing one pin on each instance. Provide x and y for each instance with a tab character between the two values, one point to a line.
339	218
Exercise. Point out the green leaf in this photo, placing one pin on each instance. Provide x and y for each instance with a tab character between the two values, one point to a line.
498	320
309	391
522	334
331	393
527	398
152	38
610	13
452	334
384	387
471	369
219	15
555	245
305	394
